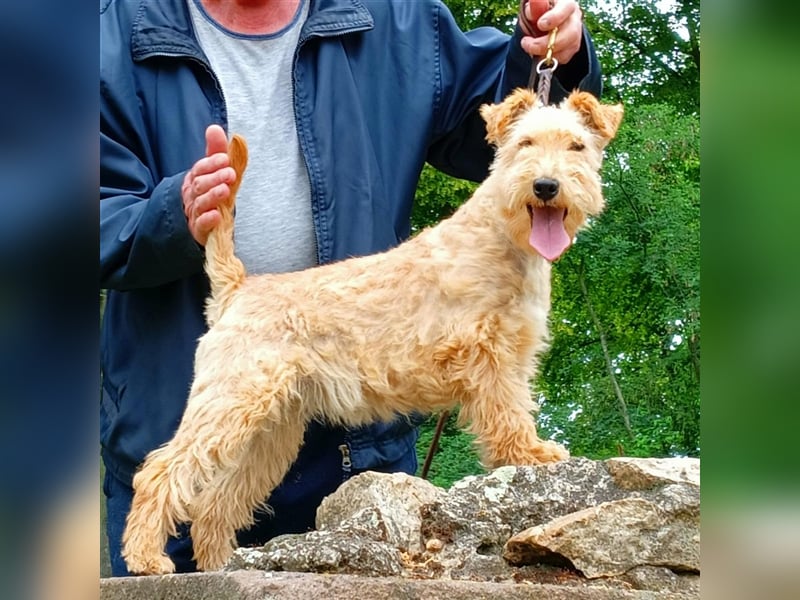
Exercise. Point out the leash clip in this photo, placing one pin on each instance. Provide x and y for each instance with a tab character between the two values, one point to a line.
551	42
542	74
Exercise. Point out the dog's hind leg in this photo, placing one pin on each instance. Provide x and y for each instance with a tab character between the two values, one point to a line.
228	503
221	420
151	518
501	417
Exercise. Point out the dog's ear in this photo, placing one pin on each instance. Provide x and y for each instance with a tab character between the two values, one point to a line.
499	117
603	119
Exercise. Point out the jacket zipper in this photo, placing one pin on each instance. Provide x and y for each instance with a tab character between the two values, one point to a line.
303	151
304	37
347	463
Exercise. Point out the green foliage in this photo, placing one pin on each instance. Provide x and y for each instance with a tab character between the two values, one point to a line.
438	196
470	14
622	376
455	457
650	51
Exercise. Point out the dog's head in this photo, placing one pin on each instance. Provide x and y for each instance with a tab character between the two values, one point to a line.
547	164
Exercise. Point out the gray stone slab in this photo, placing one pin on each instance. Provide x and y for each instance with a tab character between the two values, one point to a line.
259	585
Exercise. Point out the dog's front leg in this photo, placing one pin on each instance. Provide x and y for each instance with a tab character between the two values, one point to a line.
501	416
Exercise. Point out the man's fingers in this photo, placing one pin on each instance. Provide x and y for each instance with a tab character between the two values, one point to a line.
206	184
201	184
566	15
206	222
210	164
211	199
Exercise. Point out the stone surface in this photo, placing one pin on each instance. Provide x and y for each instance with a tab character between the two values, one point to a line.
647	473
622	528
662	579
482	512
385	507
614	537
257	585
321	552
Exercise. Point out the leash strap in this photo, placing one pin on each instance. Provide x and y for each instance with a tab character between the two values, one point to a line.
545	77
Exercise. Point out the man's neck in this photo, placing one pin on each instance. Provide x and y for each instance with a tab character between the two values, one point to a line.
252	17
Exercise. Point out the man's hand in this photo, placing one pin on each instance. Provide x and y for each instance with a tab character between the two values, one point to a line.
206	185
537	19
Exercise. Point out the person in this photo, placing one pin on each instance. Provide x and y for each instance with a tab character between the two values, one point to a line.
341	103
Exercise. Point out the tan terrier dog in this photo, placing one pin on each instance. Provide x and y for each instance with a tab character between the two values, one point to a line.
455	316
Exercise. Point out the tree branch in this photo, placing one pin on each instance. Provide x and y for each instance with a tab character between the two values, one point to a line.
606	355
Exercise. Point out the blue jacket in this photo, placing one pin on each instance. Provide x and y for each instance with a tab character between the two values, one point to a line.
380	88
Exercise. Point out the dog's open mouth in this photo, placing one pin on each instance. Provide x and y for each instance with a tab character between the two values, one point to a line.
548	235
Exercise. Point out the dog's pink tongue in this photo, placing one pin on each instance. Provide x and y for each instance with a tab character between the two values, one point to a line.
548	236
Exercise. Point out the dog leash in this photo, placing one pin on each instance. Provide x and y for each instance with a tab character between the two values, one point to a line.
542	73
539	80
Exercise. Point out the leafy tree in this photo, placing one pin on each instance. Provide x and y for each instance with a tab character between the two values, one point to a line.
650	51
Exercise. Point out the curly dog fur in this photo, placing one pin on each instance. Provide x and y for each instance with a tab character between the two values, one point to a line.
455	316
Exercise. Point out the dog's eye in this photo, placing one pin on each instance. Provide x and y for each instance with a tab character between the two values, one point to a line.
525	142
576	146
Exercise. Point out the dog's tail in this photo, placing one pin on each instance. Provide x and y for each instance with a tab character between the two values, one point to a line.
225	271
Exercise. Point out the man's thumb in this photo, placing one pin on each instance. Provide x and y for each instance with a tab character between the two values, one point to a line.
216	140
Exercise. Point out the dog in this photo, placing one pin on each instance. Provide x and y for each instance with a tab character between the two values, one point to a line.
457	315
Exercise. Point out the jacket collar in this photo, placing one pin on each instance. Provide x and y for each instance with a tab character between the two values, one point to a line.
336	17
164	27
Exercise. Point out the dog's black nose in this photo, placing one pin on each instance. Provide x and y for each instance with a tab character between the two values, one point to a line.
545	188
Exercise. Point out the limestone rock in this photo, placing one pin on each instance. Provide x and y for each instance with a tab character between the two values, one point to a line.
647	473
662	579
614	537
615	528
383	507
485	510
321	552
254	585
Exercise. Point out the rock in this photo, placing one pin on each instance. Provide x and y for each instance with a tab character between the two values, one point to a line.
484	511
621	528
647	473
614	537
255	585
434	545
383	507
662	579
321	552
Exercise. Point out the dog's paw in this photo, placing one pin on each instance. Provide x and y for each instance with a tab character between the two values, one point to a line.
139	564
550	451
210	558
541	452
545	451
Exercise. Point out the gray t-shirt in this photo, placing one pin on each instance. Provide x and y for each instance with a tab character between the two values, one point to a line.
274	230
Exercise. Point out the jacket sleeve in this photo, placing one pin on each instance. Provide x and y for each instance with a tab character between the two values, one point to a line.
144	237
483	66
